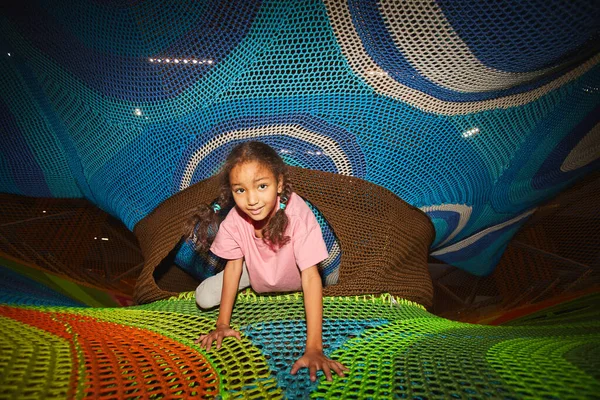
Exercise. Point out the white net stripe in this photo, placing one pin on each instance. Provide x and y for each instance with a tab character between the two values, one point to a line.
363	65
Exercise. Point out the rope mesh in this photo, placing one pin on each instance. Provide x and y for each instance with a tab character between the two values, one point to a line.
378	234
71	238
393	348
473	112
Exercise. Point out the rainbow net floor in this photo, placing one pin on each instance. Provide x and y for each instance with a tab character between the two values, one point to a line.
394	349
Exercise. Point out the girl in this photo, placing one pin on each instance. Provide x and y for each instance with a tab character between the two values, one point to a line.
272	242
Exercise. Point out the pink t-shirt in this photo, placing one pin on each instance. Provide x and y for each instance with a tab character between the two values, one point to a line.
273	270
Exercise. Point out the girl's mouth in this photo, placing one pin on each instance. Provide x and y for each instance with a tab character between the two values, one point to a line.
256	211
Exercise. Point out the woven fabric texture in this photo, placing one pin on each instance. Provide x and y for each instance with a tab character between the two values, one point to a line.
384	241
393	348
473	111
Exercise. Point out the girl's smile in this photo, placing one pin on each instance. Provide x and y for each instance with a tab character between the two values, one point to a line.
255	211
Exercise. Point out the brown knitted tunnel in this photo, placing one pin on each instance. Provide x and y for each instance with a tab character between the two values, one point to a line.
384	241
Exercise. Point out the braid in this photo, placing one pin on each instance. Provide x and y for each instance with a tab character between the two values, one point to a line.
274	233
203	226
286	192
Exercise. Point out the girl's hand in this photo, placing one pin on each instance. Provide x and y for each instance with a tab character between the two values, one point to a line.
218	334
315	360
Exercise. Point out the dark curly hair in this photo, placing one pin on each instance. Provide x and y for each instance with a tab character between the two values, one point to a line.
204	223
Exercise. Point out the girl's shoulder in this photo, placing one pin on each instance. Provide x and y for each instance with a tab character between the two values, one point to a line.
297	208
295	204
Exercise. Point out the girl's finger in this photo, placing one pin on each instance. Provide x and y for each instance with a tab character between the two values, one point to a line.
313	372
219	341
338	368
327	371
297	365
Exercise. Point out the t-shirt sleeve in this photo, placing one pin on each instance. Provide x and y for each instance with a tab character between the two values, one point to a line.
309	246
225	245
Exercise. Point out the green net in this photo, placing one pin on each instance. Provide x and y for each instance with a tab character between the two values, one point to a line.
393	348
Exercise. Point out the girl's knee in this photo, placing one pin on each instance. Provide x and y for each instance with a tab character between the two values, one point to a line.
206	298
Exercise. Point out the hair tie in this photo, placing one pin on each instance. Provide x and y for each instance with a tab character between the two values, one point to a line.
216	207
283	201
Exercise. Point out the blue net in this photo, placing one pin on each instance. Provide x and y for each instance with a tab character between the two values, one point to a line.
474	112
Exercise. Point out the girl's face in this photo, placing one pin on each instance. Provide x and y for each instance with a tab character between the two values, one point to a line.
255	189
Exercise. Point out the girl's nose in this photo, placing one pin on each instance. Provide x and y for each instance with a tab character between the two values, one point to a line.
252	198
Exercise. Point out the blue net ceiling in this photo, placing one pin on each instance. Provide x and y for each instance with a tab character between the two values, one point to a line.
473	111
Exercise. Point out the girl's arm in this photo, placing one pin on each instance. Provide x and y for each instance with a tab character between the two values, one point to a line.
313	357
231	280
313	305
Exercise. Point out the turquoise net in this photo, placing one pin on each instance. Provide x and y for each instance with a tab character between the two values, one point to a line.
473	112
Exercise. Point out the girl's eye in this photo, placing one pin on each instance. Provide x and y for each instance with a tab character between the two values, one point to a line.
262	186
239	191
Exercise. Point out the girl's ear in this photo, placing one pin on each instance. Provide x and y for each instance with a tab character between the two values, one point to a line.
280	184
